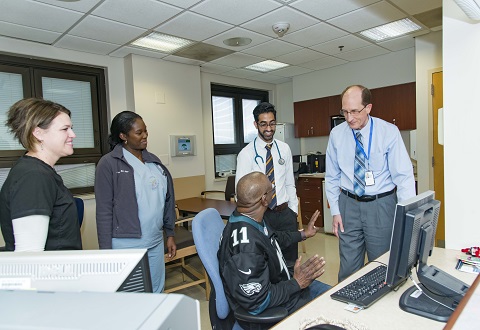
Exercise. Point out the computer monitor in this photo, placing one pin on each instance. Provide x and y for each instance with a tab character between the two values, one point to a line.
412	242
76	271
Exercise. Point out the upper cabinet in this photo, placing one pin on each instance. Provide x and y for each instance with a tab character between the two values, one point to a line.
310	118
395	104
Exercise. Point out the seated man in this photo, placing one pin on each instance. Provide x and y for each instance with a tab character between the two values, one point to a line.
252	266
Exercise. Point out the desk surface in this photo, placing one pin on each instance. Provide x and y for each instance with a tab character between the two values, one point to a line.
385	313
195	205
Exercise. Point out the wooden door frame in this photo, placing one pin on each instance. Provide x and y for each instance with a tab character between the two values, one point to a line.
430	125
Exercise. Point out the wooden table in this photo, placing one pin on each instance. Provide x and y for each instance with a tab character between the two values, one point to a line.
195	205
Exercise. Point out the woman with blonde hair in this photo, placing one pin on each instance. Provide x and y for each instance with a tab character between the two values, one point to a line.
37	211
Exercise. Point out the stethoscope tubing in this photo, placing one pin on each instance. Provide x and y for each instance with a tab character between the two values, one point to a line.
281	161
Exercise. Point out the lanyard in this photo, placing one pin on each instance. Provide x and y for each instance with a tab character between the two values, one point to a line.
369	140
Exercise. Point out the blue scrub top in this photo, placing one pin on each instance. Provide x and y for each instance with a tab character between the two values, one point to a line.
150	189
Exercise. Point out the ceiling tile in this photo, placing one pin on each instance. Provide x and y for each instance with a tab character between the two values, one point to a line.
324	63
203	52
270	78
27	33
148	13
315	34
272	49
325	9
237	32
413	7
183	60
124	51
238	60
61	19
368	17
85	45
296	19
291	71
81	6
215	68
193	26
97	28
398	43
301	56
108	26
240	73
235	11
348	42
182	3
363	53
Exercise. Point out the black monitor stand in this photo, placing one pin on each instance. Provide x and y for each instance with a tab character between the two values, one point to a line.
424	306
449	293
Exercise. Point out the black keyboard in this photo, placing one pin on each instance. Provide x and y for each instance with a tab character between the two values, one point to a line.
365	290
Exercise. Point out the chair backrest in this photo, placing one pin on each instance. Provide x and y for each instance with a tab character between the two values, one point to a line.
207	228
80	209
230	188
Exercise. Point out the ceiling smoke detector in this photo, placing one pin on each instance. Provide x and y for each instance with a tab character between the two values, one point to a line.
280	28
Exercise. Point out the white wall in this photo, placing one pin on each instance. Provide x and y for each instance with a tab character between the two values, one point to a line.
428	58
180	114
461	72
206	80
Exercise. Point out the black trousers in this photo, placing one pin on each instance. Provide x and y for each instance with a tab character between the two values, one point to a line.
285	220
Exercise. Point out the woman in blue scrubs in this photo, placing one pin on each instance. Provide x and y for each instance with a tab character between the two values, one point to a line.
135	202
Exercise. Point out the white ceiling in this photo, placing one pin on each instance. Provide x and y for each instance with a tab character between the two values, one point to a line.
317	29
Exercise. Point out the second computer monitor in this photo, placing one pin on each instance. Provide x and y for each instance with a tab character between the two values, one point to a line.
125	270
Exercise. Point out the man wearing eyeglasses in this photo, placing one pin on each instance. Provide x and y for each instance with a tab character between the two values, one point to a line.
274	158
367	169
251	264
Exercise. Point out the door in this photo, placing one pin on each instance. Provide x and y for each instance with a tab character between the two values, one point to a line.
438	169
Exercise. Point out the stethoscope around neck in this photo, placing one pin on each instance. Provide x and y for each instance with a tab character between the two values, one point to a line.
281	161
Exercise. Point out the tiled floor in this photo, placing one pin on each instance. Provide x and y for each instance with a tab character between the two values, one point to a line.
322	244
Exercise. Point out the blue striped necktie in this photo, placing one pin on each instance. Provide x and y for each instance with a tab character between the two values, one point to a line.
269	171
359	168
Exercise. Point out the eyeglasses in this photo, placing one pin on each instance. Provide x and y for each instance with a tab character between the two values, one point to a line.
352	112
263	124
268	192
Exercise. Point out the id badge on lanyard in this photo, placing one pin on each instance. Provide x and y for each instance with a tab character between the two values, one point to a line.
369	177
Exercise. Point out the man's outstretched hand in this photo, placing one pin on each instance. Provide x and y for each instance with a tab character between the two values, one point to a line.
311	269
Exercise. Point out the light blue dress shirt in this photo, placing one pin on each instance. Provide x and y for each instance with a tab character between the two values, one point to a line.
388	160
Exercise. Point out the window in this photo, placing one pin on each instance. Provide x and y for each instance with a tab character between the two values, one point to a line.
81	90
233	127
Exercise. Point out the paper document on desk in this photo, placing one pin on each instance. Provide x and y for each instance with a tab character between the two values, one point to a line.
468	264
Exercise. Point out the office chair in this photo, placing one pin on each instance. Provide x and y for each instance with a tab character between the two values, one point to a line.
80	209
207	228
229	190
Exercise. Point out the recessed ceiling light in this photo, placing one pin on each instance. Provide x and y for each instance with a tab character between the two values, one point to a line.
237	42
391	30
266	66
162	42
